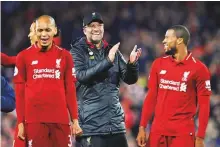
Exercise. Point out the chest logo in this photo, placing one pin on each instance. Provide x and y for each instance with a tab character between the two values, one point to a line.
185	75
58	63
34	62
162	72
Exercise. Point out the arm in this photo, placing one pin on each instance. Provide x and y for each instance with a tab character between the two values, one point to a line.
151	98
203	88
19	81
128	71
7	97
148	107
6	60
84	73
70	89
149	104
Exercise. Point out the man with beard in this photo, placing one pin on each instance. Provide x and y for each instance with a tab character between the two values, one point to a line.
45	90
99	68
178	83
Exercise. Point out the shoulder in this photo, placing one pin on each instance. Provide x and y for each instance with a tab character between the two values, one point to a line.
58	47
79	45
199	64
159	60
26	51
201	69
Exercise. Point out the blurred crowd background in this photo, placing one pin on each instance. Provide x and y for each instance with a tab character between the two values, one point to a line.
141	23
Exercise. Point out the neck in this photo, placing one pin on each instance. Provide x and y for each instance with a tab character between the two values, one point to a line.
98	45
181	54
42	48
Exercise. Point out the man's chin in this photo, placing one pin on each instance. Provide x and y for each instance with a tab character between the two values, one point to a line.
45	44
171	51
96	41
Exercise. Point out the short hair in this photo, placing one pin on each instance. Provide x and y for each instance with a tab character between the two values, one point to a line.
50	17
181	32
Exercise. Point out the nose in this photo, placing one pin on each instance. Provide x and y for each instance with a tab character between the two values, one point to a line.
164	41
43	33
95	28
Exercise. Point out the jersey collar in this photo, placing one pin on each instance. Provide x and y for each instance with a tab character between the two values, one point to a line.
186	60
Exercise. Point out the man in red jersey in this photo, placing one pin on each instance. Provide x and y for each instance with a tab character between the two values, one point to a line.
178	83
44	87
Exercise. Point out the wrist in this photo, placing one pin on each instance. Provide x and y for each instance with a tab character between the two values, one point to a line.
75	121
141	128
199	138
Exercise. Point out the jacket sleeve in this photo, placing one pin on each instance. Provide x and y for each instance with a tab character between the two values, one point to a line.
84	73
19	81
203	95
128	71
7	97
70	89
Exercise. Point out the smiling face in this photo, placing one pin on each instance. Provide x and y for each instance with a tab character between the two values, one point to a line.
45	30
170	42
94	32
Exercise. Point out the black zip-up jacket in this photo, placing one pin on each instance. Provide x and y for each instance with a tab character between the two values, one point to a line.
97	86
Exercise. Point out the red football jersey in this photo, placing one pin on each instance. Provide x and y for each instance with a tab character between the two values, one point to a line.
44	85
7	60
178	88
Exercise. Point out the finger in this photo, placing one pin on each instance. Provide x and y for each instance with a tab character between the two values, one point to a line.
118	44
21	137
135	48
139	52
143	144
139	141
79	133
74	131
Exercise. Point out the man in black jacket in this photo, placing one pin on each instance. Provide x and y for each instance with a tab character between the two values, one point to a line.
98	69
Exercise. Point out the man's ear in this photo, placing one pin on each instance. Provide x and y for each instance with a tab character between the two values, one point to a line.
84	31
179	41
55	31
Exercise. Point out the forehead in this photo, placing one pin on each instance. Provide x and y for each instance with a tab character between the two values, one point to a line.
95	23
44	24
170	32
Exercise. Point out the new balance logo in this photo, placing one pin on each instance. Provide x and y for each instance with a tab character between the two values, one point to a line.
162	72
34	62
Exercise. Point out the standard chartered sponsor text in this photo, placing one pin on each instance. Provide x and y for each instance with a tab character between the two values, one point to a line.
171	82
43	73
37	76
45	70
169	87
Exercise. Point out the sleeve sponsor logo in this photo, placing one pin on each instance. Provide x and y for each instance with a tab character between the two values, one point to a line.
208	85
73	72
